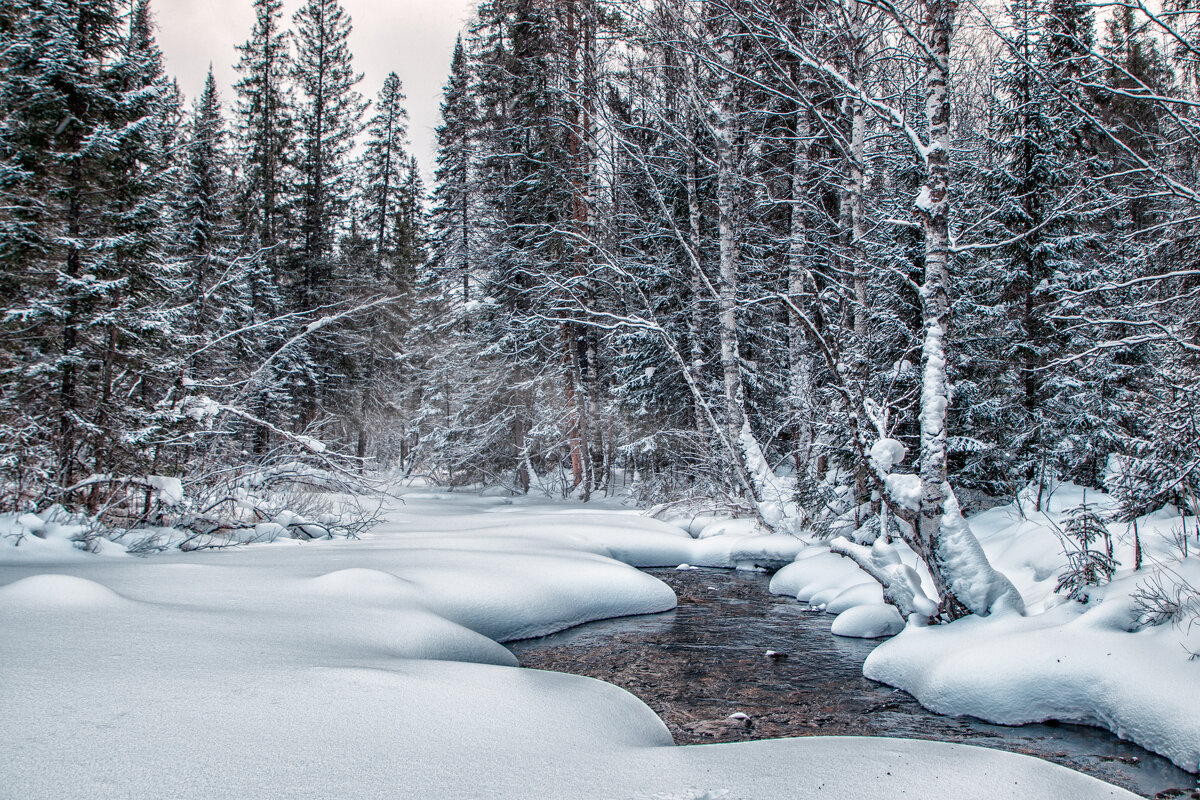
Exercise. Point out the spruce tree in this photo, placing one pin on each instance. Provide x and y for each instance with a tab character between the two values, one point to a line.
88	115
452	211
265	137
329	118
217	279
141	350
1037	191
384	171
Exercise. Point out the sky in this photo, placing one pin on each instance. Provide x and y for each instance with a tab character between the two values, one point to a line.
413	38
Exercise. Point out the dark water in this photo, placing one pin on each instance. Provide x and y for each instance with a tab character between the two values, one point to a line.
699	664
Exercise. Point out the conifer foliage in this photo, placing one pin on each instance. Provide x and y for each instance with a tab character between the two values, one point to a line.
719	252
181	299
705	249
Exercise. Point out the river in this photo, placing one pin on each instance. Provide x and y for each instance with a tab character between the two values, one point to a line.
705	670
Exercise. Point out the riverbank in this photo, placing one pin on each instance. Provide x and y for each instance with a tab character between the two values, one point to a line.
371	668
704	669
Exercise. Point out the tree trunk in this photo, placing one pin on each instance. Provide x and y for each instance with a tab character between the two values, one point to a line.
933	206
800	388
727	278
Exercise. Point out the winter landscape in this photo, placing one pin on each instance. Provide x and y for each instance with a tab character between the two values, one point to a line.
720	399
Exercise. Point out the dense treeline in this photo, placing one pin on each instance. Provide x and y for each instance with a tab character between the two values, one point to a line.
198	290
749	250
657	222
763	249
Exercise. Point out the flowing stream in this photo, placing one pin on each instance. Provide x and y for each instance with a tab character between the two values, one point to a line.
707	660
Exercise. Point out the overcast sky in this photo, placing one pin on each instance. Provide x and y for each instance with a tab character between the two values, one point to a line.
413	38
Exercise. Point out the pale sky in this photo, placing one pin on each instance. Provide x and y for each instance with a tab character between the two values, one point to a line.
413	38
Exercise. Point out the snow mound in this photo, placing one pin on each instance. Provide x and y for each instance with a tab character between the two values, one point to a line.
1064	664
809	575
771	551
59	591
694	523
730	527
872	621
367	585
862	594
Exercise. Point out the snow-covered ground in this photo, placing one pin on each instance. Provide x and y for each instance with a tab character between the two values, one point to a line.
342	668
1095	664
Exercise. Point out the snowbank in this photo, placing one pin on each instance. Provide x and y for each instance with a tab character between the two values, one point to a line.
1072	663
445	730
1091	664
868	621
371	668
627	536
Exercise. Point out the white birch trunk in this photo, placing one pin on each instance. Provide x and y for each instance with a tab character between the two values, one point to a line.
962	575
800	381
727	277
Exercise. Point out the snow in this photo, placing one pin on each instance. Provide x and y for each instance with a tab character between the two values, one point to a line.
860	594
1092	664
886	453
904	489
725	527
975	581
31	523
901	582
167	490
1066	664
924	200
201	408
49	590
335	668
311	444
814	571
776	505
868	621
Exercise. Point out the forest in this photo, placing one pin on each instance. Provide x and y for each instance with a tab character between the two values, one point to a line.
854	274
672	248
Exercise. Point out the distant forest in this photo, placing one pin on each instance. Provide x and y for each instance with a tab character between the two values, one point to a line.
747	253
